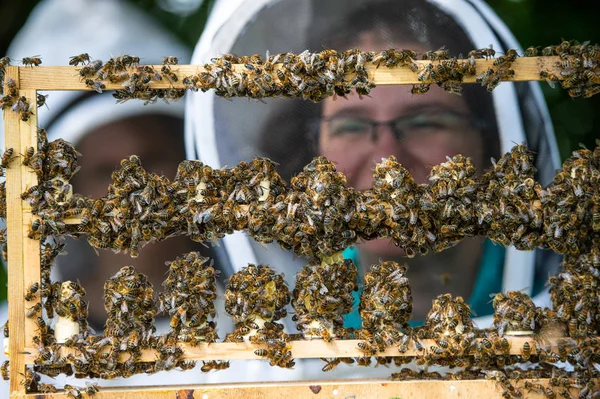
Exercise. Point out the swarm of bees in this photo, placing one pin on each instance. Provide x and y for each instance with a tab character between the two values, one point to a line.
190	290
13	101
322	296
514	311
256	291
130	304
385	305
501	70
70	303
126	70
575	297
580	67
316	216
256	297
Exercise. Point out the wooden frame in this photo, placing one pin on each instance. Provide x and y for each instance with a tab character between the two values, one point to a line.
24	261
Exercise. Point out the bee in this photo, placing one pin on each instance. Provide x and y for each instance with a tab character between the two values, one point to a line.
4	370
531	52
550	78
32	61
526	351
129	60
26	114
487	52
261	352
439	54
213	365
170	75
28	155
46	388
363	361
170	60
41	100
73	392
420	89
31	378
79	59
34	310
32	290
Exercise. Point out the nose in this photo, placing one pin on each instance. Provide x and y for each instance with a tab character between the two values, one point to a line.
386	142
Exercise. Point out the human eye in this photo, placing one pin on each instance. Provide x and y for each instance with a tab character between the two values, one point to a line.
348	126
432	121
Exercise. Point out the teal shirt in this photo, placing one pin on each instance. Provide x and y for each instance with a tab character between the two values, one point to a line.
488	281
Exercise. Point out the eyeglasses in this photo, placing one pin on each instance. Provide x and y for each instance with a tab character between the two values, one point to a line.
343	130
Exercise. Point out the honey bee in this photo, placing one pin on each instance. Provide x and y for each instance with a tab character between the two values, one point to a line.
436	55
487	52
46	388
7	157
79	59
34	310
4	370
41	100
550	78
73	392
213	365
90	69
420	89
170	75
526	351
31	379
31	291
32	61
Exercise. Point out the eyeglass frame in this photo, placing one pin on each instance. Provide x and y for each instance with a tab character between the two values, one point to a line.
315	125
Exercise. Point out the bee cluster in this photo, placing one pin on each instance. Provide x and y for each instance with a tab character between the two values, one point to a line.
190	290
256	297
70	303
314	76
448	72
316	217
449	315
385	305
256	291
12	100
135	79
514	311
131	308
318	221
580	67
501	69
575	296
52	199
322	296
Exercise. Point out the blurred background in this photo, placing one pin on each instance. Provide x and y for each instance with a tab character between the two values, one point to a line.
534	22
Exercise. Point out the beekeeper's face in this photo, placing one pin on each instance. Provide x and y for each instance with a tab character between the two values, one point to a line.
419	129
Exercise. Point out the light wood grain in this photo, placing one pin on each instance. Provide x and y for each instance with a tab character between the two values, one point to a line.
31	248
300	350
67	77
341	389
14	224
